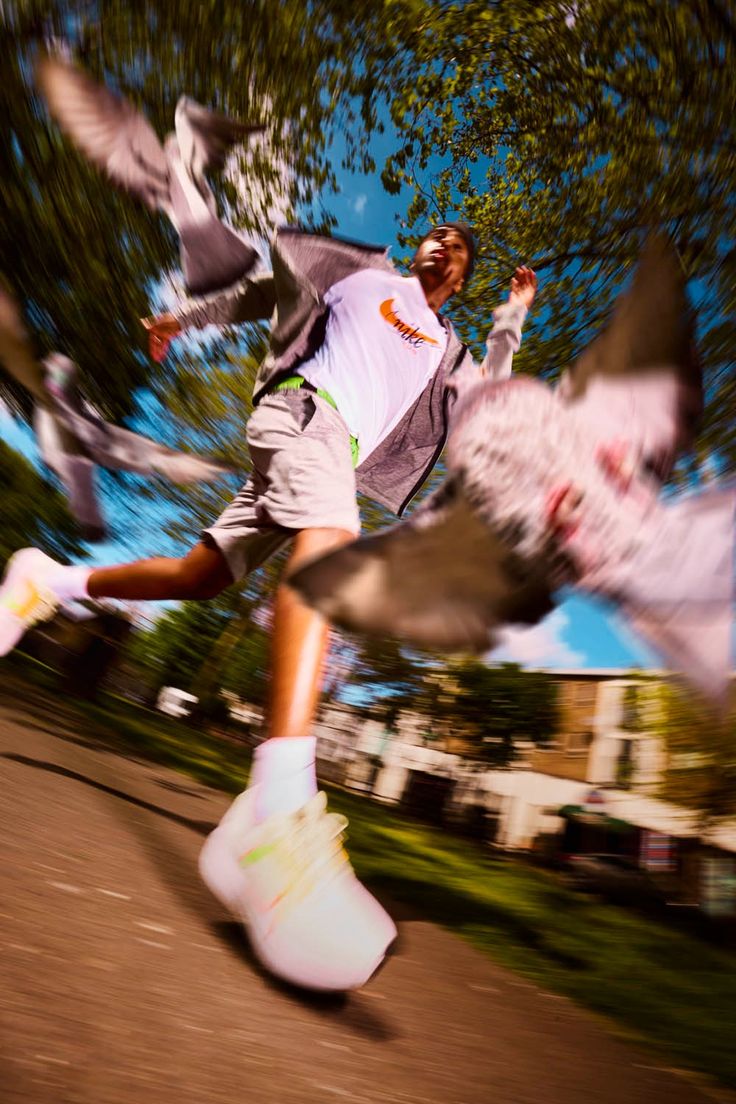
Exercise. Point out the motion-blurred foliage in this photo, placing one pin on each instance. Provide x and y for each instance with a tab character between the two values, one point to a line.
83	257
487	712
33	512
699	765
205	647
562	130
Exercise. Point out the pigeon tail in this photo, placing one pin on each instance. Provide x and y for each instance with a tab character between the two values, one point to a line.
79	476
212	255
441	580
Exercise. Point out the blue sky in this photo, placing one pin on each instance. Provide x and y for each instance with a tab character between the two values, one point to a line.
579	633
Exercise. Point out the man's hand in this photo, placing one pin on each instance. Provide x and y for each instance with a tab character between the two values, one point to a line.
162	329
523	286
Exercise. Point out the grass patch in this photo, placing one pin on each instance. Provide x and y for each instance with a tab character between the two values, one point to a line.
133	728
152	735
663	986
660	985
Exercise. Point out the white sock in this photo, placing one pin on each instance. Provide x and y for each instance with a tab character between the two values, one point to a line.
69	582
284	771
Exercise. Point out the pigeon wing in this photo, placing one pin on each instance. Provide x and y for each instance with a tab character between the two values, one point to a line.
640	380
152	458
76	472
206	137
185	467
107	129
440	580
121	449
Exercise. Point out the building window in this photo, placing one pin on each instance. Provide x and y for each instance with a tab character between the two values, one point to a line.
631	710
625	766
578	742
581	702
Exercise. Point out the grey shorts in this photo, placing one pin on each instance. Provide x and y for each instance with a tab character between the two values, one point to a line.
303	478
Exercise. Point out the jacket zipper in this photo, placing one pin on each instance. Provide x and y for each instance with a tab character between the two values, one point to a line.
438	451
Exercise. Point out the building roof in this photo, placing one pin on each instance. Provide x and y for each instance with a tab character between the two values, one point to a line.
606	672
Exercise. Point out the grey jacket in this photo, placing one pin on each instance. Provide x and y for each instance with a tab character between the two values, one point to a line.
305	266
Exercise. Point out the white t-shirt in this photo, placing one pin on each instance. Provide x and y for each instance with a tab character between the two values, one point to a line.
382	346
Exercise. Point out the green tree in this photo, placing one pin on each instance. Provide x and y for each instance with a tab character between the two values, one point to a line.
491	709
700	757
206	647
631	718
388	675
82	257
34	511
561	131
246	673
498	708
172	651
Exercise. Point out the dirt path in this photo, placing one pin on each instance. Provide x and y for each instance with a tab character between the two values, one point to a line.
122	981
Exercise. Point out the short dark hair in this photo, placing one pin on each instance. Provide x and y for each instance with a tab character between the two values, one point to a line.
465	231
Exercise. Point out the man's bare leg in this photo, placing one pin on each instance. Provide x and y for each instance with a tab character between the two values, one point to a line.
33	585
299	634
298	644
299	640
322	929
202	573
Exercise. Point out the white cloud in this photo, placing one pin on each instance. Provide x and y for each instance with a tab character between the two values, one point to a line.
541	645
358	204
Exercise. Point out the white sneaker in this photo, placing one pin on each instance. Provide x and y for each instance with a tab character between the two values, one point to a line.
25	597
290	882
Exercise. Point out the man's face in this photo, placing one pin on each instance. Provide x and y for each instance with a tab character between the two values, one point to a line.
442	260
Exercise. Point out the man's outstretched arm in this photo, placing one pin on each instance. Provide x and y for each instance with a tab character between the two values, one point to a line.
250	301
505	337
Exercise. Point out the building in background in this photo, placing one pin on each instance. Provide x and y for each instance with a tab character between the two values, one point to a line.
592	792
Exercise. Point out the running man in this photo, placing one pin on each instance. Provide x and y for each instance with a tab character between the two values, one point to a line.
355	393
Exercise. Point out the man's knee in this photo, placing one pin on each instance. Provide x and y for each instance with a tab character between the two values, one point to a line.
311	543
202	574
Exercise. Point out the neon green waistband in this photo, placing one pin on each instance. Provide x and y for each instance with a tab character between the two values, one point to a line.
294	383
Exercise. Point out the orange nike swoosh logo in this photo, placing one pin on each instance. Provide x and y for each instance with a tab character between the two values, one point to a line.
408	332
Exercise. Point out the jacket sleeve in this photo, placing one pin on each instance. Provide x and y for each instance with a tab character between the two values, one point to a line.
248	301
503	341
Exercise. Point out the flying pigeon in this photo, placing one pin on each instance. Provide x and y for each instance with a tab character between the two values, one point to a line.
553	488
118	139
73	438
